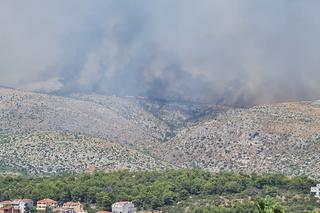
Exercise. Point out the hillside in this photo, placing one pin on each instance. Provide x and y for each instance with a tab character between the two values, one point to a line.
35	128
24	111
141	111
280	138
48	153
125	120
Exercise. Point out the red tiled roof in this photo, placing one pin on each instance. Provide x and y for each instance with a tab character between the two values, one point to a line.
7	202
58	209
47	201
23	200
72	204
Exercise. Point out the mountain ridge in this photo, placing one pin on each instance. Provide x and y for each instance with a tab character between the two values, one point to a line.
281	137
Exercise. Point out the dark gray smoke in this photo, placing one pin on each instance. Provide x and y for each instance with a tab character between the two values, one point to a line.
230	52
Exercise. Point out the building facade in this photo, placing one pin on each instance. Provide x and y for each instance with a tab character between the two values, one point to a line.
16	206
23	204
9	209
42	205
75	206
123	207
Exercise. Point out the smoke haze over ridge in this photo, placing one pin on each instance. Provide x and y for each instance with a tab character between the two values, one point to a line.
231	52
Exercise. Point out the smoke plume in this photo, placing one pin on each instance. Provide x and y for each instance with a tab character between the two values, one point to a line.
230	52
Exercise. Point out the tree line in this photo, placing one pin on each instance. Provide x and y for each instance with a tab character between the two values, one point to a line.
149	189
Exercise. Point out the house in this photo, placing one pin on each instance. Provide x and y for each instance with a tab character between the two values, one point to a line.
18	205
123	207
76	206
23	204
62	210
42	205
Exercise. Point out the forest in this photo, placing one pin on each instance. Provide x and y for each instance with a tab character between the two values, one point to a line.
169	191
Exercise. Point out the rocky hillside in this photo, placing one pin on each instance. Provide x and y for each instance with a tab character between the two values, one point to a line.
77	132
136	122
174	115
55	153
280	138
33	125
24	111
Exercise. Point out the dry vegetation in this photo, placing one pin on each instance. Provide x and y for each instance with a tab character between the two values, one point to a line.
281	137
54	153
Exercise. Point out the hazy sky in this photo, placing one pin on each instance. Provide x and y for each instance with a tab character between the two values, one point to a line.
226	51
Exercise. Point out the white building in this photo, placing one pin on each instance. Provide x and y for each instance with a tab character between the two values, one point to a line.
23	204
75	206
316	190
123	207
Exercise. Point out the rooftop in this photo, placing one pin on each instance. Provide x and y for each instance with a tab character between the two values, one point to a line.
7	202
121	203
72	204
47	201
22	200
